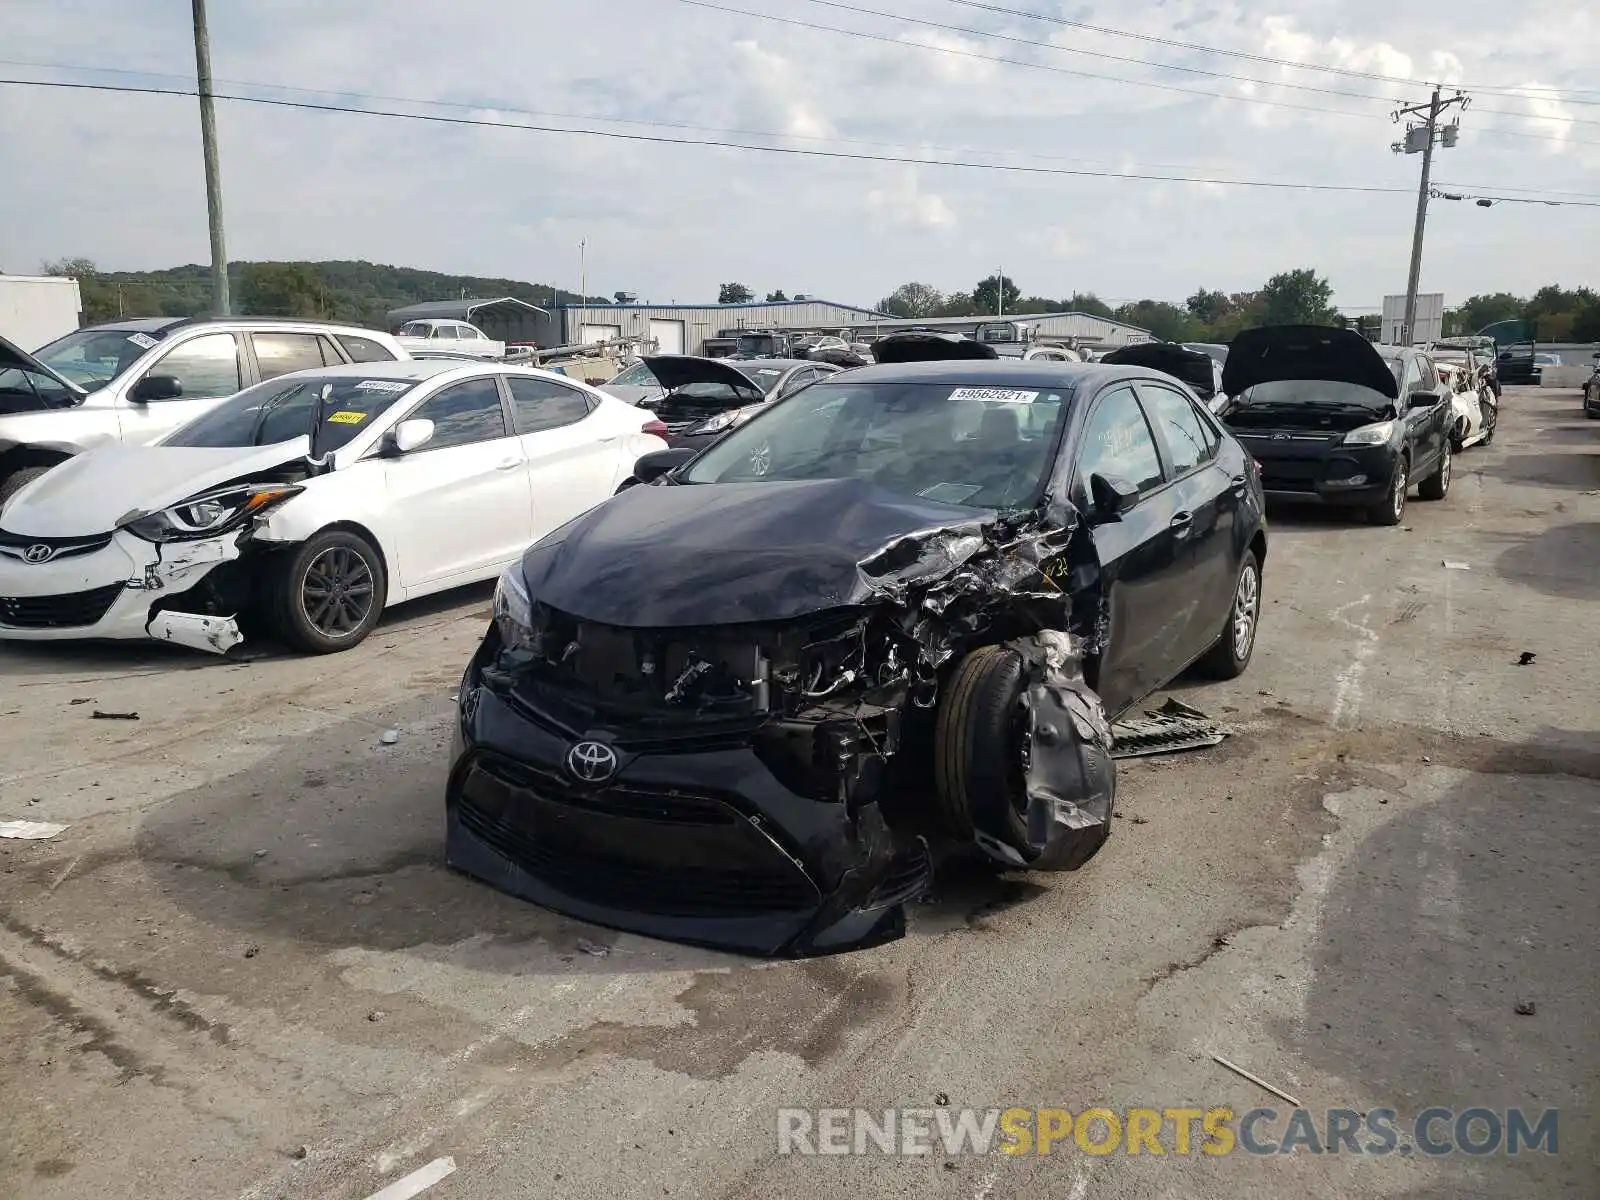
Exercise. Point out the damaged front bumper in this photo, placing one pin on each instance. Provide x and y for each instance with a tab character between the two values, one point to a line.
691	836
117	587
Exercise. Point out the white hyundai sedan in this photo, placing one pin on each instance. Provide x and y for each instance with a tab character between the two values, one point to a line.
311	502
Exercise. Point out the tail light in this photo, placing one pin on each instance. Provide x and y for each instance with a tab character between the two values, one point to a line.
656	429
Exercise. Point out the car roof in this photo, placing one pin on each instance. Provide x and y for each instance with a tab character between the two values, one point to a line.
415	369
1035	372
135	325
171	324
782	364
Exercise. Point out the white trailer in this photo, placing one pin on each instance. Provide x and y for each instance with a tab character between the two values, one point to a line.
36	309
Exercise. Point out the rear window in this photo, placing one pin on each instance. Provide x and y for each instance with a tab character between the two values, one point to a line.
362	349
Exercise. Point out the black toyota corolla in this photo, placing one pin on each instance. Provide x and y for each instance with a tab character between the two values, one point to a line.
887	618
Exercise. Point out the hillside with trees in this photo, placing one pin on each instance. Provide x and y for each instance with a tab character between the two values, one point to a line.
359	292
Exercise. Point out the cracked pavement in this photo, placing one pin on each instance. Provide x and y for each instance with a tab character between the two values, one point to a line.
243	970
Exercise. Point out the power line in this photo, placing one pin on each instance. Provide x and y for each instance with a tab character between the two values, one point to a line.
1267	60
817	26
712	143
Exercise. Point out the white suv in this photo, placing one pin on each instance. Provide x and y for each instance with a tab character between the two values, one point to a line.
135	381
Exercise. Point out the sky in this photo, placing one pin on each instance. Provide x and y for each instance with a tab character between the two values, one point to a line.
118	178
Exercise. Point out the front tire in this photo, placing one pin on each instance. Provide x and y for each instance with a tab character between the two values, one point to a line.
1437	485
327	594
1231	654
1390	510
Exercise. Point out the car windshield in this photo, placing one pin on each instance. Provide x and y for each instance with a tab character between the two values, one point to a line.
92	358
1296	393
987	447
764	378
281	410
419	329
637	375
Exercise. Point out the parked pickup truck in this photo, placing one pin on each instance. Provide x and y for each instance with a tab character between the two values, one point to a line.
137	380
454	336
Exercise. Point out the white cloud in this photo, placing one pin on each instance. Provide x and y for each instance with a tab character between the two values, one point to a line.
904	203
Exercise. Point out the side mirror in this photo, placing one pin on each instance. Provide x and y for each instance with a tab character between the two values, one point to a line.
411	435
657	463
1422	400
1111	496
156	387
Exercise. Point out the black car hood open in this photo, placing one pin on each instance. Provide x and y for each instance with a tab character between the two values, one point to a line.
730	553
674	371
913	347
1320	352
13	356
1187	366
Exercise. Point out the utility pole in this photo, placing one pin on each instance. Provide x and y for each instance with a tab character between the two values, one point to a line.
583	271
1000	293
208	140
1421	138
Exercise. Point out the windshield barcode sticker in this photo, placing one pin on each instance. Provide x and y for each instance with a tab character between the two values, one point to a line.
381	385
346	418
994	395
142	340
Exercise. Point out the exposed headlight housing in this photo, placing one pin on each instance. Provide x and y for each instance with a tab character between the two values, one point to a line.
731	419
513	609
211	513
1370	435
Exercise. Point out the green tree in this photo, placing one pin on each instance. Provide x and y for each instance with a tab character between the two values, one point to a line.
282	290
73	268
734	293
989	292
959	304
1209	307
776	297
1477	311
912	300
1037	304
1166	321
1297	298
1088	302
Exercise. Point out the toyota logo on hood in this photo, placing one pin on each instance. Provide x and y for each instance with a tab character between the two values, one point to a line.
38	553
592	762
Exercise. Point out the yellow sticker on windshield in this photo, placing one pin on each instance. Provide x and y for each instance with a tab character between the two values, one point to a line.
346	418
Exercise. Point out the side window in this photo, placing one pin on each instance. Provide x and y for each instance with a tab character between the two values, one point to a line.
1180	427
541	404
1411	376
465	413
468	332
279	353
362	349
438	332
799	380
207	366
1118	442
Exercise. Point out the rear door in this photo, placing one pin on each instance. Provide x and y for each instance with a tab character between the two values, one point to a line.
209	367
460	505
1426	423
281	353
1205	491
575	456
1141	562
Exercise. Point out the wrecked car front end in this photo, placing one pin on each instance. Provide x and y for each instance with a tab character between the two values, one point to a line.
752	763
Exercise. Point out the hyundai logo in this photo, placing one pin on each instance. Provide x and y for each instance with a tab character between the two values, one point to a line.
38	553
592	762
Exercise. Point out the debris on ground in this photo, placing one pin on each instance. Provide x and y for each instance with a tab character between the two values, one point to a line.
251	951
1257	1080
593	948
1525	659
390	737
1456	566
301	1152
81	700
29	831
1174	726
376	1015
97	715
1141	820
1525	1008
942	1099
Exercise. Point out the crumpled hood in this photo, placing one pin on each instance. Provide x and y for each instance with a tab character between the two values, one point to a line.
96	492
729	553
1188	366
917	346
13	356
1318	352
679	370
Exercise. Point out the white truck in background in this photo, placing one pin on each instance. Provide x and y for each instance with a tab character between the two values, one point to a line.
37	309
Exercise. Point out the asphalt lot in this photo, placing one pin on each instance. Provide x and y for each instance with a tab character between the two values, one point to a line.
243	970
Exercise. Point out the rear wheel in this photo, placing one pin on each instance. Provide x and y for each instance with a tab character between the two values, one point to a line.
327	594
1231	655
1437	485
17	480
1389	510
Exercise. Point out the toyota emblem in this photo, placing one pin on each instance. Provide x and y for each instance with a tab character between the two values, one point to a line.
38	553
592	762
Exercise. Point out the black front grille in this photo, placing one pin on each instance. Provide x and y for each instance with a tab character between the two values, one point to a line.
907	877
72	610
16	545
625	847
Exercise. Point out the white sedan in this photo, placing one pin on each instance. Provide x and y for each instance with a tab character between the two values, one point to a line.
311	502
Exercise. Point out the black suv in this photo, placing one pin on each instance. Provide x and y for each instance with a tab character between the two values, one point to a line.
1334	419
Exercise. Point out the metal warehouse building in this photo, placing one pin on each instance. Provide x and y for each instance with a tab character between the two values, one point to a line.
685	328
1079	327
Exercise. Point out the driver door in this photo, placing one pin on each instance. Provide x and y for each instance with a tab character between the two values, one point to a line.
209	367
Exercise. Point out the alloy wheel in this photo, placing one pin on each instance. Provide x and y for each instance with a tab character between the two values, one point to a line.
336	594
1402	481
1246	610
